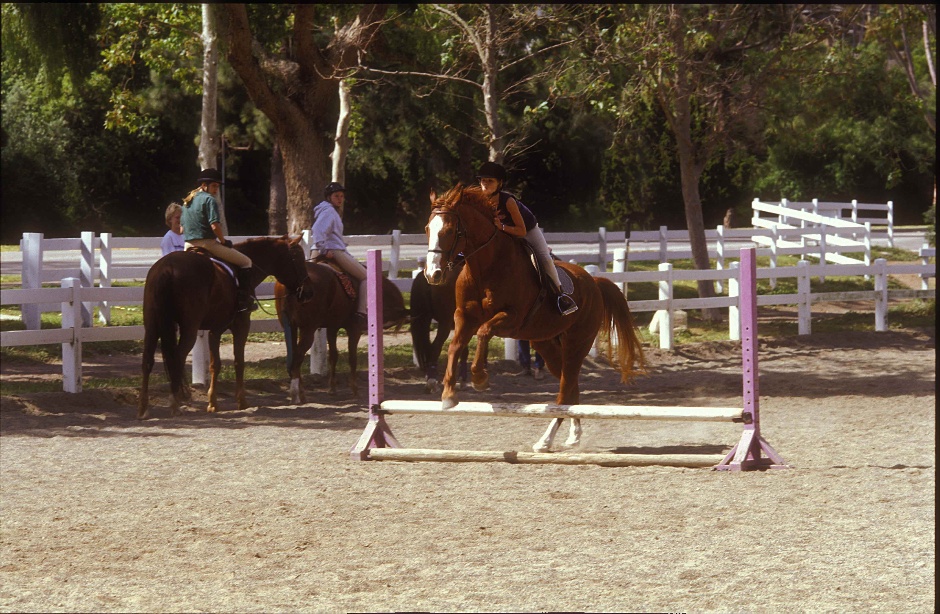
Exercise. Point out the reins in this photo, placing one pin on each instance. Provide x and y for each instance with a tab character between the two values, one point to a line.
461	257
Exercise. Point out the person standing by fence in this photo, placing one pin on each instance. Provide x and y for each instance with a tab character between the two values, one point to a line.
173	239
202	228
525	359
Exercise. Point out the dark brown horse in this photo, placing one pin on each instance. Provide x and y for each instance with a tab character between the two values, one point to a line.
186	292
331	309
435	303
499	293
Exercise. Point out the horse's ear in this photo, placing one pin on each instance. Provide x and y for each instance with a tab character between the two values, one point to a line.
292	241
432	196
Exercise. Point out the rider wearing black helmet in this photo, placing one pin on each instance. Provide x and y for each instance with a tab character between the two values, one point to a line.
515	219
202	227
327	234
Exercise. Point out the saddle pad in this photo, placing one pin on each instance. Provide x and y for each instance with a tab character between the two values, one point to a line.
225	266
344	279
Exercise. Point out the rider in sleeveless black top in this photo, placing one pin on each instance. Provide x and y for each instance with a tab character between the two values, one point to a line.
515	219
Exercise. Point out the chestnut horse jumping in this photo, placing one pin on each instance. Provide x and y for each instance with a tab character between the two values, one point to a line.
333	309
186	292
499	293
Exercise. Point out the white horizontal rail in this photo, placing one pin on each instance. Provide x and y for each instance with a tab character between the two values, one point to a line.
546	410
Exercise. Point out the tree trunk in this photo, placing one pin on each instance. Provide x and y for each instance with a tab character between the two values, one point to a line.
342	142
489	61
277	207
209	139
691	167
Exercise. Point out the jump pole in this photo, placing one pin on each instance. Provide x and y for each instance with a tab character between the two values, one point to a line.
378	443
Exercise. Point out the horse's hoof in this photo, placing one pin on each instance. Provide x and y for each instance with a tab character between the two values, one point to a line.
211	409
541	447
481	387
143	415
449	403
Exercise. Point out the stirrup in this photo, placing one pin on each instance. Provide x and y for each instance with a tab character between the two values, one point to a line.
246	303
566	304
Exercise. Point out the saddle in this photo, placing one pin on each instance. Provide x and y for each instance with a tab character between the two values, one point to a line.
545	282
344	279
225	265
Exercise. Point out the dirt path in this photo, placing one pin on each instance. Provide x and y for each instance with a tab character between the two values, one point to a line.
263	510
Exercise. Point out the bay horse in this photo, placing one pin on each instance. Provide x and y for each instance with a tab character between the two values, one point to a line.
333	309
186	292
434	303
498	292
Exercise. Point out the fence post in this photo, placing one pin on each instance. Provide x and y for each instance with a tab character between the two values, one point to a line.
32	277
781	218
665	315
867	241
925	260
305	243
822	253
734	311
318	353
72	352
720	256
881	296
200	362
620	266
854	217
104	281
891	223
602	248
775	237
88	274
394	255
663	244
804	292
593	270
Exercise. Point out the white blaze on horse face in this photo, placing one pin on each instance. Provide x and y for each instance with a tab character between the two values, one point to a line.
435	226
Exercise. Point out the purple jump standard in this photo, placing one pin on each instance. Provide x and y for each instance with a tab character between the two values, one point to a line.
750	453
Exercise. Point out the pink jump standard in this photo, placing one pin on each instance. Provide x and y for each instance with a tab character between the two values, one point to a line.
751	452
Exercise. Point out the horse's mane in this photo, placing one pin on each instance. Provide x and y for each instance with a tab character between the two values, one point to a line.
471	196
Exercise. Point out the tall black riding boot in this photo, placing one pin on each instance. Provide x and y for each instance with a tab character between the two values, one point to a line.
245	301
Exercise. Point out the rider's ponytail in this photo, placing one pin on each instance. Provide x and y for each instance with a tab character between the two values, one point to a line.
188	199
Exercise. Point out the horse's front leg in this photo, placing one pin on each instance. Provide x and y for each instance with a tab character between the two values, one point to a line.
239	339
462	334
187	340
479	377
304	340
215	367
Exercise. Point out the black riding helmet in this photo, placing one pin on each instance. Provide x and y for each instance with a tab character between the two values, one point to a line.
492	170
331	188
209	175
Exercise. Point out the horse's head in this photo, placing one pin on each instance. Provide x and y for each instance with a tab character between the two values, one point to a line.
460	221
283	258
303	286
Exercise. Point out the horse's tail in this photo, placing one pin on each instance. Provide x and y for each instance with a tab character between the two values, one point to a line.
421	310
160	319
618	319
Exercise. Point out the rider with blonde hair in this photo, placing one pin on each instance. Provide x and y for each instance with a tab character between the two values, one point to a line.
202	228
515	219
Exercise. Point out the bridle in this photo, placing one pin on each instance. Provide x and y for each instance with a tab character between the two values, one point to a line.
461	233
300	268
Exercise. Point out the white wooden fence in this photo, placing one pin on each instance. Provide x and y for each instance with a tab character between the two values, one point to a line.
72	296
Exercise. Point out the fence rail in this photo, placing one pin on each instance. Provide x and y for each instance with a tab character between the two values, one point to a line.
72	296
